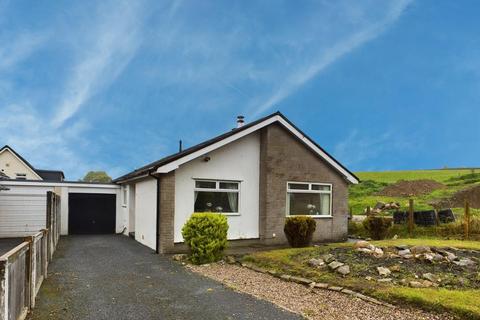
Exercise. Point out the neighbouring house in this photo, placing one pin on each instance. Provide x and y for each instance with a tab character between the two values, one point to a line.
256	174
14	166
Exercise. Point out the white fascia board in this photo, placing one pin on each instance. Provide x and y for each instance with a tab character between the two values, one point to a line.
175	164
57	184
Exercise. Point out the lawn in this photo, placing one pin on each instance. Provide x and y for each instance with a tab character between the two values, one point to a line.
458	293
366	192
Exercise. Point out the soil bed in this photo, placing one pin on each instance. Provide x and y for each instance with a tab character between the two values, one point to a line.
410	188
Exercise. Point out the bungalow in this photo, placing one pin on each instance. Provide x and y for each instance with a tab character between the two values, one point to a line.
256	174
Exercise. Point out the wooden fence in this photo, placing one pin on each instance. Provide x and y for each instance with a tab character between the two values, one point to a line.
23	268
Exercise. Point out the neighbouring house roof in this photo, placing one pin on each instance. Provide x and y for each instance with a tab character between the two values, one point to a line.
51	175
47	175
172	162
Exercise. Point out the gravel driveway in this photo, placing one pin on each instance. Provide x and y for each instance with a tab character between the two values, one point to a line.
314	304
114	277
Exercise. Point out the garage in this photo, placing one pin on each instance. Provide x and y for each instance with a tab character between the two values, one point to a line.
91	213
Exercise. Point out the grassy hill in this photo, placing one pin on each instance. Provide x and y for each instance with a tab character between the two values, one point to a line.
453	180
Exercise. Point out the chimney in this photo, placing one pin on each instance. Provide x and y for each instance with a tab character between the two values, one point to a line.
240	121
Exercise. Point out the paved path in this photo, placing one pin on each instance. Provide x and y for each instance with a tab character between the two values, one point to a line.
114	277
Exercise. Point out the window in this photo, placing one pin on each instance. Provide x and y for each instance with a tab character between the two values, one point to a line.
216	196
21	176
312	199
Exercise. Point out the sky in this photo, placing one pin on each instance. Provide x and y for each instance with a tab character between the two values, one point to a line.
113	85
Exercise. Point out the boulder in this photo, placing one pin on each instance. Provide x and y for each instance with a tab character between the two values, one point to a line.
430	277
361	244
403	252
402	247
385	280
378	252
420	249
383	271
450	256
230	259
379	206
343	270
465	262
335	264
327	258
180	257
315	263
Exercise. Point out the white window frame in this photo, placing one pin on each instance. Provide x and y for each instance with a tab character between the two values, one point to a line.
217	189
309	190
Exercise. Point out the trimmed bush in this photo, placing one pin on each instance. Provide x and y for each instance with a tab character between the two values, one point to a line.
206	236
377	227
299	230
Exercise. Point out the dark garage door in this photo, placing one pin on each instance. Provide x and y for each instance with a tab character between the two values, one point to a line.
91	213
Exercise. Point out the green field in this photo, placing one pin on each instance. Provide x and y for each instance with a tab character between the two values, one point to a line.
364	194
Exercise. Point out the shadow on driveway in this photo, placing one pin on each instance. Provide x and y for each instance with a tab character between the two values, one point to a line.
115	277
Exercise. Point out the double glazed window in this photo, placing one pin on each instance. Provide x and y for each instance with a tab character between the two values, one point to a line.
312	199
216	196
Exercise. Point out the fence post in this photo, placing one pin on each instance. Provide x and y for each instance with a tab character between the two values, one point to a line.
369	211
467	220
45	252
30	278
410	217
3	289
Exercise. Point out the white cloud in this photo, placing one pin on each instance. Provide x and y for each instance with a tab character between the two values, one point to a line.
116	38
328	55
16	49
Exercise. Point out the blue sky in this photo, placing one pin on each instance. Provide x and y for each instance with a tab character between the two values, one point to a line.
112	85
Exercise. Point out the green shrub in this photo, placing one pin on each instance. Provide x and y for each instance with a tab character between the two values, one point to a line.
299	230
206	236
377	227
356	229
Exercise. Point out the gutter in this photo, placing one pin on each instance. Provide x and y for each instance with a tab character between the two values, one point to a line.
157	225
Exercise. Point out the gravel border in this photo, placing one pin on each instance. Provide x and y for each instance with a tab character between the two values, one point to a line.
311	300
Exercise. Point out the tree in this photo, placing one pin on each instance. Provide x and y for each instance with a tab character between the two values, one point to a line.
97	176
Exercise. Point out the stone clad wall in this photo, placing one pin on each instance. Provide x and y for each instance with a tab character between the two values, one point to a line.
284	158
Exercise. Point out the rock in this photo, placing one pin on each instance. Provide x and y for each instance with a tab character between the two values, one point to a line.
378	252
383	271
385	280
450	256
437	257
365	250
321	285
315	263
395	237
395	268
421	284
179	257
380	205
300	280
430	277
361	244
407	256
230	259
465	262
420	249
368	278
343	270
335	264
402	247
335	288
429	256
327	258
404	252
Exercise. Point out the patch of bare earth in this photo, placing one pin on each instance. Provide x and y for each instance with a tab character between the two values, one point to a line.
405	188
311	303
457	200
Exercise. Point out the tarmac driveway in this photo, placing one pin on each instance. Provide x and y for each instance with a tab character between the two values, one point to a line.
115	277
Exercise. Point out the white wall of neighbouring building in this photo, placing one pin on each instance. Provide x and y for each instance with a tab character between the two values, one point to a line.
23	207
146	212
238	161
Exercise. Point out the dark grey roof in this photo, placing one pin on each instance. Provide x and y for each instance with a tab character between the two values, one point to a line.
149	168
51	175
3	176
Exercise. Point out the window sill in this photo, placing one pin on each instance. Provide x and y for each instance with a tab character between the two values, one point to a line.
313	216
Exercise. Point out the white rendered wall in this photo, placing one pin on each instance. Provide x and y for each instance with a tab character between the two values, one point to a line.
146	212
10	164
238	161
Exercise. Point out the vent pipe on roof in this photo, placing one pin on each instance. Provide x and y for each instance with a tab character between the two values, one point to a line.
240	121
180	147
